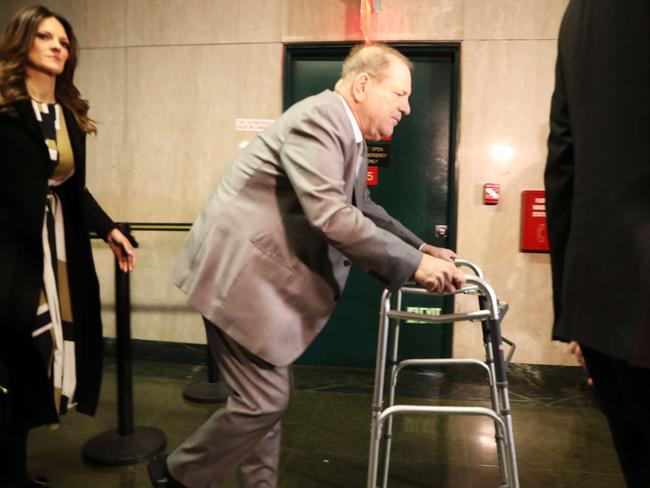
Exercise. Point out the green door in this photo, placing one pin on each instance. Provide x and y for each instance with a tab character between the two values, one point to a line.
415	184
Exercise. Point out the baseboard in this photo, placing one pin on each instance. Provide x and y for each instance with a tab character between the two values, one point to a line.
518	373
168	352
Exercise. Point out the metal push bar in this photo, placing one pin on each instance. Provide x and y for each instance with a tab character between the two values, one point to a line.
490	314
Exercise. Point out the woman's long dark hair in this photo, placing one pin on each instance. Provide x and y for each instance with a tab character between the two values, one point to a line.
15	43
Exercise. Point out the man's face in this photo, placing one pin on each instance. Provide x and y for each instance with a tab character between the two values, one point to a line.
386	102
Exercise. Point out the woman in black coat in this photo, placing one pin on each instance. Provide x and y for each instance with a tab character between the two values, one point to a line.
50	325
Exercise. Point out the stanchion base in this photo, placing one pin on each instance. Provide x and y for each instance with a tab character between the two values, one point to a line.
204	392
111	449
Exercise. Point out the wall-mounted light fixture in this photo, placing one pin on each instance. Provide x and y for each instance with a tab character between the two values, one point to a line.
502	152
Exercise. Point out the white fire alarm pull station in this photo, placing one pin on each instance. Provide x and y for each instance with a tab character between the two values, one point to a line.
491	193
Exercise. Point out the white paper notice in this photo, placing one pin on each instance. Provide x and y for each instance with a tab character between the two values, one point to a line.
252	125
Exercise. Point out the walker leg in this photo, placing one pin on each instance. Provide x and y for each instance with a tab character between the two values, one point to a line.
373	461
504	401
388	431
499	437
378	394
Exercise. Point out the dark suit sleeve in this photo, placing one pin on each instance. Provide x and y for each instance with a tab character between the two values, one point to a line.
96	219
382	219
558	179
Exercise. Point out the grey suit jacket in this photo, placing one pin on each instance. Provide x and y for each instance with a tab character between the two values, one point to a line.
269	254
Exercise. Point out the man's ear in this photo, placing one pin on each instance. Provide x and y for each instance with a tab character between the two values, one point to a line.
360	86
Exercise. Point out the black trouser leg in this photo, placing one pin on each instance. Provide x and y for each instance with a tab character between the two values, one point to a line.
13	460
624	394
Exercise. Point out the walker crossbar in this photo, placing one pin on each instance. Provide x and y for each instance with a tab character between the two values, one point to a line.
440	319
481	411
440	362
466	290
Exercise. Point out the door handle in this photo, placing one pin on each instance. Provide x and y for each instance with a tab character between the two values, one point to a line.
441	231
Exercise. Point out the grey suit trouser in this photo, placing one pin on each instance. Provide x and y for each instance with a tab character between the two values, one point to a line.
245	434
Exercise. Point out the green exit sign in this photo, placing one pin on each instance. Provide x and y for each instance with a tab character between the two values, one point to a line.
423	311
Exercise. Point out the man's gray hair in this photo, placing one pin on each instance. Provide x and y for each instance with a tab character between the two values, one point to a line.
372	59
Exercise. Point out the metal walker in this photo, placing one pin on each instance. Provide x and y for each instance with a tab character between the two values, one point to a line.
490	313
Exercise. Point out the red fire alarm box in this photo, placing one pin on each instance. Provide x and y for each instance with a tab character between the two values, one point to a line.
533	221
491	193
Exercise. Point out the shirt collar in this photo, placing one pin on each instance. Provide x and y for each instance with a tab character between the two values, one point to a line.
355	125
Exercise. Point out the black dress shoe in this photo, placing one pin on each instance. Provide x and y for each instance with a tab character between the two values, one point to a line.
159	474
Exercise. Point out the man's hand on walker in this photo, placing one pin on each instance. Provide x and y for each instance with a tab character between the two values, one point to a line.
438	252
438	276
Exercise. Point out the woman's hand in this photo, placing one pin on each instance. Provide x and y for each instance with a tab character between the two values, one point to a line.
122	249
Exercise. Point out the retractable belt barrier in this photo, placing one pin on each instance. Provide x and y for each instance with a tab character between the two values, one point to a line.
490	313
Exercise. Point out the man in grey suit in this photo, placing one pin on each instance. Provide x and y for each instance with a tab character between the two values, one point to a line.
269	255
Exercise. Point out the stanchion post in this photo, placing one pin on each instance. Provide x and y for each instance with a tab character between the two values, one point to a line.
123	343
213	372
211	391
126	444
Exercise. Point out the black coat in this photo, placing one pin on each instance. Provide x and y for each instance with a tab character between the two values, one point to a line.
25	169
598	178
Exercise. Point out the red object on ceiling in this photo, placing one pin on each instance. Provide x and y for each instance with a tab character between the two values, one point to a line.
366	8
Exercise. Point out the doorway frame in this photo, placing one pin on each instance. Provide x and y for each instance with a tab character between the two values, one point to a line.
444	50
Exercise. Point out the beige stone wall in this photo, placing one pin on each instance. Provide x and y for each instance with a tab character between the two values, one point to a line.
167	78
